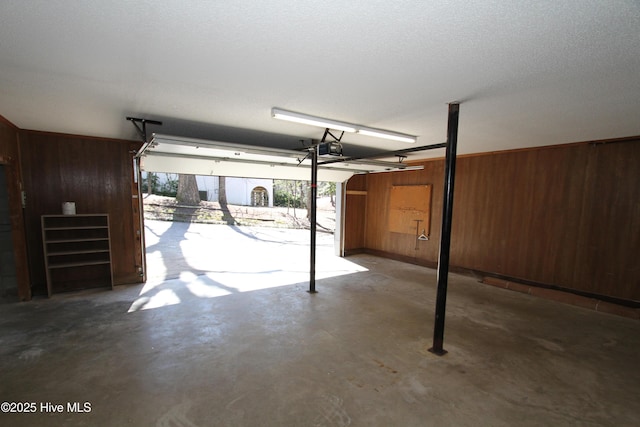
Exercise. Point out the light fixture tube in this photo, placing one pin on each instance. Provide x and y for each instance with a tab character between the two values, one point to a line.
337	125
311	120
387	135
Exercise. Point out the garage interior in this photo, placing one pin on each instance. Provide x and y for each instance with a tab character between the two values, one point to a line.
543	299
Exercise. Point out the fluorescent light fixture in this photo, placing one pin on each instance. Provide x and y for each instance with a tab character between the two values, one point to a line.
338	125
395	136
311	120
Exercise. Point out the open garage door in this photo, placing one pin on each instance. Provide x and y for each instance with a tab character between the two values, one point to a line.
164	153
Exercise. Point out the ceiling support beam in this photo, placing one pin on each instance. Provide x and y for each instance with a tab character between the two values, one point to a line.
445	233
386	154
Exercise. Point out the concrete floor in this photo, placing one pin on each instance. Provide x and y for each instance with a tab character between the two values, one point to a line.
218	339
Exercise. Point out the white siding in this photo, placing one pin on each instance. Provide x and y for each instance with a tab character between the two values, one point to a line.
238	189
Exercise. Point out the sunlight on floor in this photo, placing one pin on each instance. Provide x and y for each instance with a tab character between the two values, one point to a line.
187	265
162	293
162	298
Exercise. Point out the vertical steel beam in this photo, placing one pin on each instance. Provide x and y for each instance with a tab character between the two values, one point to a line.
313	219
445	233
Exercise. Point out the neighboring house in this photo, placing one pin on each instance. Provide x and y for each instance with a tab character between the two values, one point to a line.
240	191
247	191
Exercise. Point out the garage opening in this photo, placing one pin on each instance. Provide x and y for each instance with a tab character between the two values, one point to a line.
245	237
258	257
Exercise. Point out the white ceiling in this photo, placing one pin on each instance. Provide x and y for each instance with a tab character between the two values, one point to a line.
527	73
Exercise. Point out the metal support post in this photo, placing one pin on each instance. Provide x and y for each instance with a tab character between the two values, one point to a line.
314	193
445	233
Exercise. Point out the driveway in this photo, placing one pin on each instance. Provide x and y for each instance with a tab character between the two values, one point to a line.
188	250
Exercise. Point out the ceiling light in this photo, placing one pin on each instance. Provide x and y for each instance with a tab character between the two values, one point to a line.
311	120
395	136
338	125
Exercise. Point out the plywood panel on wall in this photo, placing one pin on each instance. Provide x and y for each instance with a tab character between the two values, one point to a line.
97	175
379	236
409	208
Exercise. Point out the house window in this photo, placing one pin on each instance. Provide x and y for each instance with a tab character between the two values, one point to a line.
259	197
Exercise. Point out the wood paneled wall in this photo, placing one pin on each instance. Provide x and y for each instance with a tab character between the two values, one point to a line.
355	216
96	174
10	157
565	216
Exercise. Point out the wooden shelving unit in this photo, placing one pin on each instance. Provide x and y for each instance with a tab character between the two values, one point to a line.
77	252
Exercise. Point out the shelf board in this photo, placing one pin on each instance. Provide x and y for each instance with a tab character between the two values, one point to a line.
74	215
77	227
83	239
78	252
78	264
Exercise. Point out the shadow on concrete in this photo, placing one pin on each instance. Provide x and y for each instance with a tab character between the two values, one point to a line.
226	213
171	238
189	259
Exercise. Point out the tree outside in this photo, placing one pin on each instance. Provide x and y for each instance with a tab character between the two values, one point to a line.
187	190
167	187
222	190
296	194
